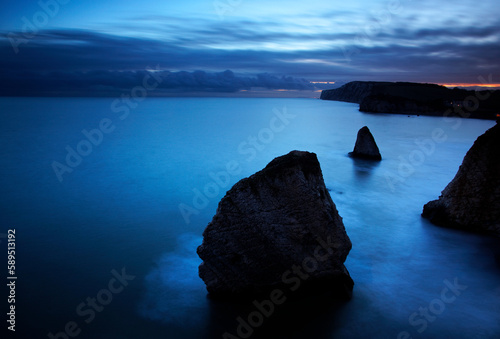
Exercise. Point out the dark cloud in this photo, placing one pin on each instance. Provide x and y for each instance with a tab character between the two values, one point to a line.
114	83
454	32
88	60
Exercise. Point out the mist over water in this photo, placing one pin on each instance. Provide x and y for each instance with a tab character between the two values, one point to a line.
120	208
174	293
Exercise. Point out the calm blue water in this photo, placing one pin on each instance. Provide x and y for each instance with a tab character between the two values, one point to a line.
119	209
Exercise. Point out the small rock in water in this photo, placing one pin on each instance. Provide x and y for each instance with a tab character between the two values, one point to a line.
365	147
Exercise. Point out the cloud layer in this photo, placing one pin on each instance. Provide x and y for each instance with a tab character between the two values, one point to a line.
106	83
398	43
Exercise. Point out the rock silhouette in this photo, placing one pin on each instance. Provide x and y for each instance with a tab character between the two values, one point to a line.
277	229
472	199
417	99
365	147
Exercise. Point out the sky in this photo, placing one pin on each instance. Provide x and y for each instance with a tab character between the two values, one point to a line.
234	45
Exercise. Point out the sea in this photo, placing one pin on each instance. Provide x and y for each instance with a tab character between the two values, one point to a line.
106	201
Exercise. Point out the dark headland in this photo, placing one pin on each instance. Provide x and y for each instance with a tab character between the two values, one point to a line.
471	201
417	99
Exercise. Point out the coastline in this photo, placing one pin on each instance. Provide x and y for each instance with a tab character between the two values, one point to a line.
417	99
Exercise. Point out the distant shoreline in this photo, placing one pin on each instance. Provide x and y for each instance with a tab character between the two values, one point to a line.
300	94
417	99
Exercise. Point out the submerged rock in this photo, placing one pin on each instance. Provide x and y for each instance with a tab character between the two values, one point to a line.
279	228
366	147
472	199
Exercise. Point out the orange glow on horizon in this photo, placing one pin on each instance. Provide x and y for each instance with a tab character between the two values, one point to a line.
471	85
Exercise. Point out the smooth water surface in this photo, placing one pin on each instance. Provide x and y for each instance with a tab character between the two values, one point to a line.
118	209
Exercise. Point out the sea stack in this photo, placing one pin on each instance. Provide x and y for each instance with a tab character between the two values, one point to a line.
277	229
366	147
472	199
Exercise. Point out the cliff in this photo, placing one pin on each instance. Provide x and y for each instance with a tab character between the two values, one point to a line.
354	91
416	98
279	228
472	199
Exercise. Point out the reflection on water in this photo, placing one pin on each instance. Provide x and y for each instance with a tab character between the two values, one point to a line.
363	168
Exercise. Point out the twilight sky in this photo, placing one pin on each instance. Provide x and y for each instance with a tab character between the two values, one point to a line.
86	45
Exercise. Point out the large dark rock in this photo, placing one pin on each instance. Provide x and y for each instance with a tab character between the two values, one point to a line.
365	147
472	199
272	225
